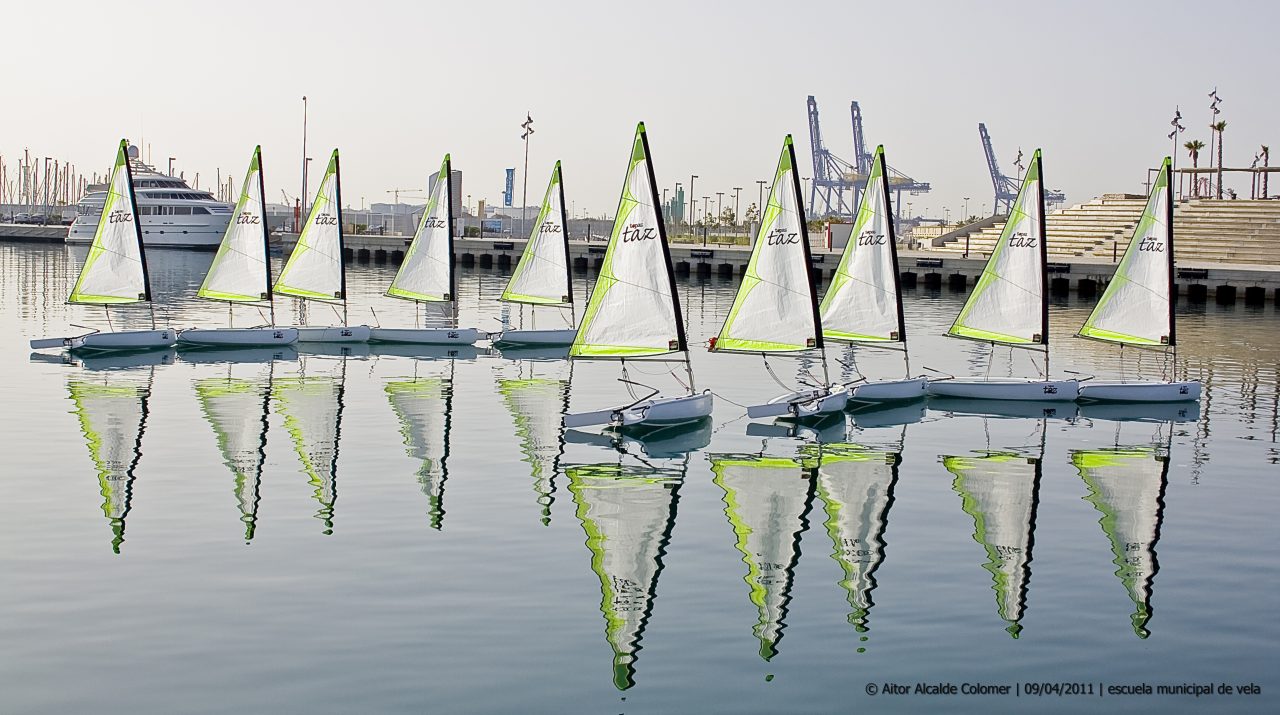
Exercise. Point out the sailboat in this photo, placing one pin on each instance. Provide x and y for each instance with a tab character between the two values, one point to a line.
424	406
542	276
628	514
855	486
1126	485
1010	304
634	310
426	275
115	271
864	303
1000	490
767	501
241	272
776	307
113	417
312	409
1137	308
317	268
536	403
238	409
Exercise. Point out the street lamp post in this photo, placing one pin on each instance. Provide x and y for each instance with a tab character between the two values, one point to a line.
677	198
692	202
527	126
302	200
719	204
760	199
706	209
966	209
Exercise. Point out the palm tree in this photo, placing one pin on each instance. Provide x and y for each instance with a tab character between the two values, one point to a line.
1219	127
1193	148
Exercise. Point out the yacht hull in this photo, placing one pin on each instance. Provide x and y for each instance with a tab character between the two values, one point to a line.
888	390
119	340
1094	391
656	411
536	337
804	403
1006	389
234	337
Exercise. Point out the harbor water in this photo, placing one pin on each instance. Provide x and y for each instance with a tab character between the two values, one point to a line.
364	530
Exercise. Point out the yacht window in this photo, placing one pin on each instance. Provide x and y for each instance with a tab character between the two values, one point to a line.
144	210
182	210
198	210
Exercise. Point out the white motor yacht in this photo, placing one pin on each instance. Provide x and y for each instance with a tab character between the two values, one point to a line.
172	213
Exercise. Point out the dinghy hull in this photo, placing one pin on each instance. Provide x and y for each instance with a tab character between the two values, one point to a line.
233	337
888	390
1006	389
122	340
425	336
657	411
334	334
1140	391
536	337
804	404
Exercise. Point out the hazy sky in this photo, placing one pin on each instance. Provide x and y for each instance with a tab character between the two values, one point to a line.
396	85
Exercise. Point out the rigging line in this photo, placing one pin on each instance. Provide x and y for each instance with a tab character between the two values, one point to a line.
769	368
736	404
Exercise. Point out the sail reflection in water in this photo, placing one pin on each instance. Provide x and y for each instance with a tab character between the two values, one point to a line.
1126	485
537	404
424	406
628	514
855	485
237	409
113	416
312	410
767	501
1000	490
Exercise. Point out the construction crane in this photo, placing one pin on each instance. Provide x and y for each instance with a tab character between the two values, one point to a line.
898	181
832	176
395	193
1007	187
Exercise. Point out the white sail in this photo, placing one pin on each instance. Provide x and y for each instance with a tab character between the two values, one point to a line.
634	308
542	275
424	409
1126	485
1000	491
240	271
1009	303
864	302
115	271
856	485
537	406
767	501
237	410
1136	309
426	274
775	307
317	269
628	515
312	411
113	417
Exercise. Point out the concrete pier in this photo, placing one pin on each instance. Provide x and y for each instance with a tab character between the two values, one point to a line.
1087	275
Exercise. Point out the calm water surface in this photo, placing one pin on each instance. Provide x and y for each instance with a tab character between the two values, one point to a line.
373	532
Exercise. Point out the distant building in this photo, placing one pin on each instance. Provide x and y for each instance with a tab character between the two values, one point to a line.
457	189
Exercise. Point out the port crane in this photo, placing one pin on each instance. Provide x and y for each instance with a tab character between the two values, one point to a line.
1007	187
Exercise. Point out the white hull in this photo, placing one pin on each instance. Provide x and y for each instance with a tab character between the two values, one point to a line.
804	403
120	340
1095	391
888	390
334	334
536	337
425	336
204	238
1006	389
233	337
657	411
